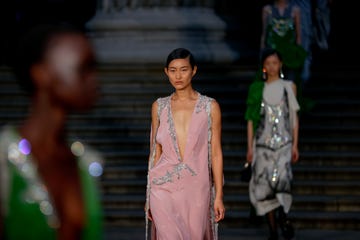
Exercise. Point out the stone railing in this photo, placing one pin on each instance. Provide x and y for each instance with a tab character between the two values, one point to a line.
120	5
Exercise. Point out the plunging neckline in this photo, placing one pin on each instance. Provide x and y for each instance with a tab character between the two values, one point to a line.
176	142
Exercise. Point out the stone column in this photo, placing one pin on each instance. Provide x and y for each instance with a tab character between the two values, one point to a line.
144	33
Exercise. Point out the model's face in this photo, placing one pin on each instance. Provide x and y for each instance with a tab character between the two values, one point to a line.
272	65
180	73
72	67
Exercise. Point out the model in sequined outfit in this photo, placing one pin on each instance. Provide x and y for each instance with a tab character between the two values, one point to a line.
272	135
185	176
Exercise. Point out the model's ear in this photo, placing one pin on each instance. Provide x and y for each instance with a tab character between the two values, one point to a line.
194	70
166	70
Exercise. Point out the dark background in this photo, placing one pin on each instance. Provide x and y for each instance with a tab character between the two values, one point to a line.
243	19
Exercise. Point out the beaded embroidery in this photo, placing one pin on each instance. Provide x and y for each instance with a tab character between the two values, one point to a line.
36	192
168	177
19	156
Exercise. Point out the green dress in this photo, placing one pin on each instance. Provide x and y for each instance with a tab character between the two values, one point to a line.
26	205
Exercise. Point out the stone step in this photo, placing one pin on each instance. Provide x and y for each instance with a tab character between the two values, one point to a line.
300	187
341	203
308	172
141	129
138	141
121	157
242	218
301	219
233	172
241	202
226	94
304	187
143	115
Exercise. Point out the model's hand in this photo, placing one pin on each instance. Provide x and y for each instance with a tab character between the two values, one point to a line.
219	210
249	156
295	154
149	213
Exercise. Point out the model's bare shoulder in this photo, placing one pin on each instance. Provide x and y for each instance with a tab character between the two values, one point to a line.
215	107
155	105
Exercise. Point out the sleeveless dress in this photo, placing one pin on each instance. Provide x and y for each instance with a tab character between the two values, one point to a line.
271	180
25	199
180	191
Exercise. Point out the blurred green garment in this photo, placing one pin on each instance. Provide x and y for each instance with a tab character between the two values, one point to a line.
253	101
26	204
293	55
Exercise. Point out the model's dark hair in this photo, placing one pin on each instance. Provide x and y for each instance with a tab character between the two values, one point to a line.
268	52
180	53
264	55
32	48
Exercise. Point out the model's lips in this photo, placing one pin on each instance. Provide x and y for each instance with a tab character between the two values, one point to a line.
178	82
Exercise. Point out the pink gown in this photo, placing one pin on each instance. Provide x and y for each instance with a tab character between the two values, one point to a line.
180	191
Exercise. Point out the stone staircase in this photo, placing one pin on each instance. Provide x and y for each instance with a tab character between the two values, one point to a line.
327	177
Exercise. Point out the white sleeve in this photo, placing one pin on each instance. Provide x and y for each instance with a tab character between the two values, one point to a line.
293	103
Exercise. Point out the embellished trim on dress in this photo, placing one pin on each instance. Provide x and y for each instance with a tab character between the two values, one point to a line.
169	176
19	151
19	156
206	103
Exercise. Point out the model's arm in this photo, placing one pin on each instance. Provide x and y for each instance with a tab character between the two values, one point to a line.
154	127
250	137
295	149
217	160
297	20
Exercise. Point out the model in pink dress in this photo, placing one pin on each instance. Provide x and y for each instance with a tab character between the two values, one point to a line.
184	191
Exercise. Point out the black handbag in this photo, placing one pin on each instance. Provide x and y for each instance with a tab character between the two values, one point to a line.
245	173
